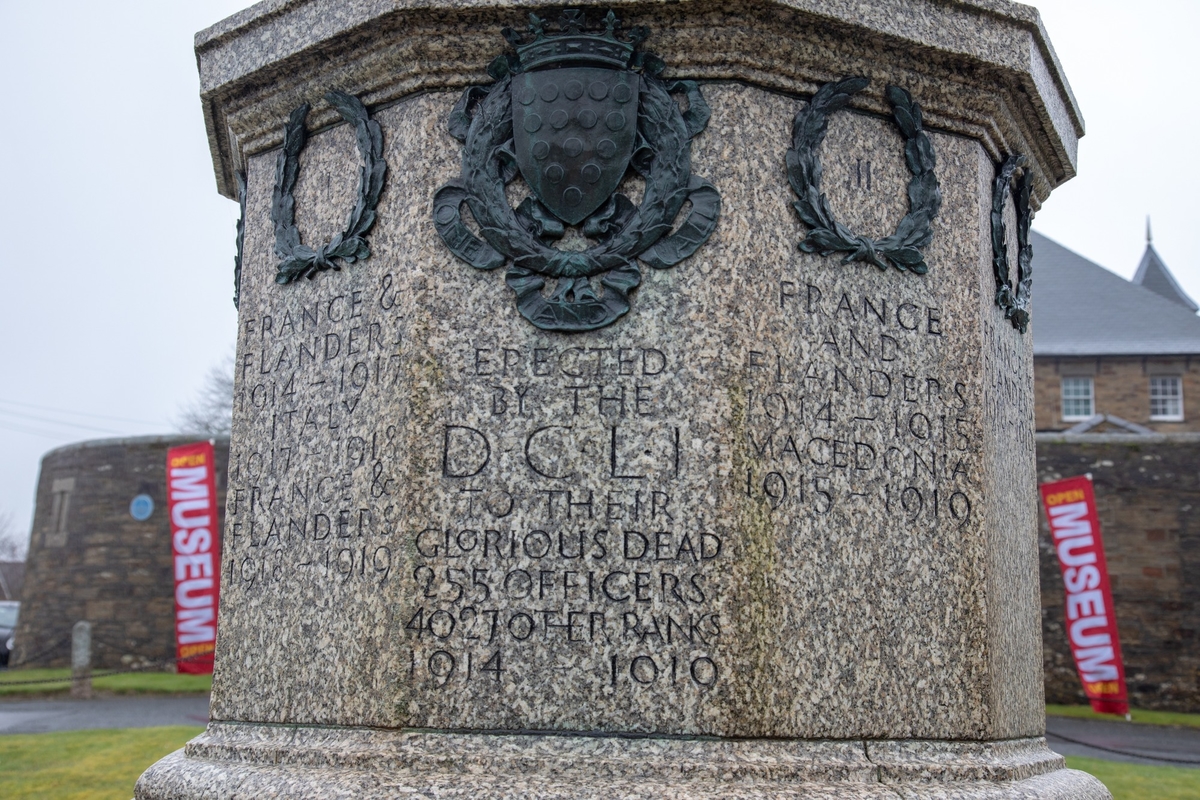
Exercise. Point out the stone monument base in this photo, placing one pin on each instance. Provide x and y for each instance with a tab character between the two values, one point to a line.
243	760
776	482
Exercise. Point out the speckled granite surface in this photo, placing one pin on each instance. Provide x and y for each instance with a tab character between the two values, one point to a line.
983	68
791	423
231	761
776	520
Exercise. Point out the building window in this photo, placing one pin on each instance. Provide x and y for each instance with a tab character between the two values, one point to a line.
1077	398
1166	399
56	533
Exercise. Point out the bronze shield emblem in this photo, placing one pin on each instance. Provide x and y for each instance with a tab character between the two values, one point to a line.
574	109
573	132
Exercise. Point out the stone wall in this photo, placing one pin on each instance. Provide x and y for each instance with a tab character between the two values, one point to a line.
1147	490
89	559
1122	388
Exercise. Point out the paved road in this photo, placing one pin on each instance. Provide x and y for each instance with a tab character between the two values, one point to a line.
143	711
1151	743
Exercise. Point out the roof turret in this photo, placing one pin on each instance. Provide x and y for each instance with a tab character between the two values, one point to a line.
1153	274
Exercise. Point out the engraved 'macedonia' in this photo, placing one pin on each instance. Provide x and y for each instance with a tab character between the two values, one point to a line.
571	113
1014	303
903	249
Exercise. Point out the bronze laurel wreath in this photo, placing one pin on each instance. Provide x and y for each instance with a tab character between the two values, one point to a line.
902	249
298	260
241	239
1015	304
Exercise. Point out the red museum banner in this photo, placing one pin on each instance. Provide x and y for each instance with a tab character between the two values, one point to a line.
195	538
1091	619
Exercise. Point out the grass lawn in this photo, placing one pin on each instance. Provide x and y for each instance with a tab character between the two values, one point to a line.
125	683
83	765
1138	782
1148	717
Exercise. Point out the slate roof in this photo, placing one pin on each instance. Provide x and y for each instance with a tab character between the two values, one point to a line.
1082	309
1153	274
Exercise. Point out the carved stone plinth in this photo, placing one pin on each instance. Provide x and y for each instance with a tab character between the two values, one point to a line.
720	484
316	762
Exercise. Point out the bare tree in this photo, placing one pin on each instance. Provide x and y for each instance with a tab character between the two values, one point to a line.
211	412
14	543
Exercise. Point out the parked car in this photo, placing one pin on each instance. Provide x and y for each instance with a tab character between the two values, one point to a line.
8	627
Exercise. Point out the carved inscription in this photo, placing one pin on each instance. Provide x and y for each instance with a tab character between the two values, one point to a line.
558	515
560	540
548	519
860	176
317	494
537	524
1008	399
848	419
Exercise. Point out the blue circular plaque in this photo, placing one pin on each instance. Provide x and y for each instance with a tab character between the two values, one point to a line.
141	507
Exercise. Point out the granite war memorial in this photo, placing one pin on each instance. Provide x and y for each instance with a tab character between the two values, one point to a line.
633	400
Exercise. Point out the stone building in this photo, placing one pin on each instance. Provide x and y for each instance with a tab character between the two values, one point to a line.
1104	347
1147	490
1117	366
90	557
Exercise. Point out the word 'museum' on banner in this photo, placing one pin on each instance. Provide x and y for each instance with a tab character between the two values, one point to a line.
1091	618
195	538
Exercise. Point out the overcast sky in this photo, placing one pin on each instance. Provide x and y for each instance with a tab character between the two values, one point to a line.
116	252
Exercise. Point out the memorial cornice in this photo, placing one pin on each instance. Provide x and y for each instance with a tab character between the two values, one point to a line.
260	64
